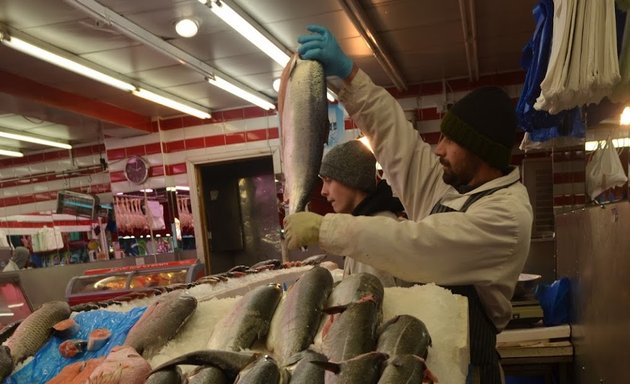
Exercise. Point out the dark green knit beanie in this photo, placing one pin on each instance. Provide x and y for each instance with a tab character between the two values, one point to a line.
484	122
352	164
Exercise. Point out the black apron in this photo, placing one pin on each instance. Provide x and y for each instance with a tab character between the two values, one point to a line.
483	334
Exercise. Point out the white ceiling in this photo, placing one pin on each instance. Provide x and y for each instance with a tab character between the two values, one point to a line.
425	39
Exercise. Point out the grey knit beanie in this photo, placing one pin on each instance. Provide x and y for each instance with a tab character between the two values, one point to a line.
352	164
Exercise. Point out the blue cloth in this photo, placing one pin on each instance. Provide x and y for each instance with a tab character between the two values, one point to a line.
48	362
541	125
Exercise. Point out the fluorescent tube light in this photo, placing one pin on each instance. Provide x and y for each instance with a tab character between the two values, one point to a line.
6	152
74	66
242	26
618	143
42	54
154	97
33	139
233	89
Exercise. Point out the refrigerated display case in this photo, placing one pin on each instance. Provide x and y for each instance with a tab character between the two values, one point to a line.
109	283
14	305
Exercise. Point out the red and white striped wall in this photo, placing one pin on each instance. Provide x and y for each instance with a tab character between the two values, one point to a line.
177	142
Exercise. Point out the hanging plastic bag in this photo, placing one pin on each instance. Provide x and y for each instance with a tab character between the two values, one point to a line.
604	170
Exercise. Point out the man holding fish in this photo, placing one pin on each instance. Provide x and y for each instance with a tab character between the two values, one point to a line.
470	217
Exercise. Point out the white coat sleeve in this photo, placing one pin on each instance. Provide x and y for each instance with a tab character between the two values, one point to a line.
409	164
449	248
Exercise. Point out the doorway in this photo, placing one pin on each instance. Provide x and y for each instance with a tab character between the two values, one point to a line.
240	207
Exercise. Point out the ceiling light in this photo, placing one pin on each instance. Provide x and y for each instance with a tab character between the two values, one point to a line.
6	152
140	34
617	143
624	119
276	85
14	135
219	82
154	97
71	65
247	30
186	27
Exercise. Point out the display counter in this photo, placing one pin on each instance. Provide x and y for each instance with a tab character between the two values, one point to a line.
107	283
14	305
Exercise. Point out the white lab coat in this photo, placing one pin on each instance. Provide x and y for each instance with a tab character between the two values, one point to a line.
487	246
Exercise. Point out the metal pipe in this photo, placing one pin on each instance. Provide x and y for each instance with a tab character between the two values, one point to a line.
470	38
473	27
359	18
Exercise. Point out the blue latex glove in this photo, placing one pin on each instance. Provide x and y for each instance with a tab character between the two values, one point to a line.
322	46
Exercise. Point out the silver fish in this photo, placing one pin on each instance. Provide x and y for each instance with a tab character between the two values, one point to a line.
33	332
297	318
363	369
303	111
207	375
353	332
262	371
403	369
231	363
404	334
248	321
305	372
160	322
354	287
166	376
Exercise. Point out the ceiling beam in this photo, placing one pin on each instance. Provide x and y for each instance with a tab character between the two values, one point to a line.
469	29
24	88
356	13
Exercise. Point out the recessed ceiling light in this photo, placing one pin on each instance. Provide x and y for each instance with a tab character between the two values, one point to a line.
186	27
276	85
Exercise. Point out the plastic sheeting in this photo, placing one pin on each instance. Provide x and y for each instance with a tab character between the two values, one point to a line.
48	362
542	126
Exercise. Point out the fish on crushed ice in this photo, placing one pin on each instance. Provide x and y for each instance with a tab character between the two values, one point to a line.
353	332
248	321
297	317
265	370
404	334
363	369
231	363
160	322
406	369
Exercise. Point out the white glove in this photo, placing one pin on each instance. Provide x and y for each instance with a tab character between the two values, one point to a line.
302	229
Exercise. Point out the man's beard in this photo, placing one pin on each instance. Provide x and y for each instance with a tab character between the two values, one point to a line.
460	180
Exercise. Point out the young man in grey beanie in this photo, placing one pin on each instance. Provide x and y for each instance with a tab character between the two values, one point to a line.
470	217
348	173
